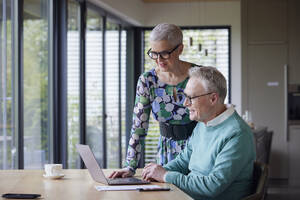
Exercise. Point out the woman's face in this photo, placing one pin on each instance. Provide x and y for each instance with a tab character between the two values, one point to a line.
164	46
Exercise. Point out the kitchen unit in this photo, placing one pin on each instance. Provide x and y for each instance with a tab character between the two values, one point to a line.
270	63
294	154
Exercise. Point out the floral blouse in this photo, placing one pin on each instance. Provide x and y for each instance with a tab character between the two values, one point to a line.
152	94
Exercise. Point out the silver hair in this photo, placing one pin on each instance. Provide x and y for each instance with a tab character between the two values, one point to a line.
168	32
211	79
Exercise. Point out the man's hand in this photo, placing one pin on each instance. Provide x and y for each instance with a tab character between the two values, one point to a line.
154	172
123	173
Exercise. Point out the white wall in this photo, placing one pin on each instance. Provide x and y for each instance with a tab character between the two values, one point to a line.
190	13
131	11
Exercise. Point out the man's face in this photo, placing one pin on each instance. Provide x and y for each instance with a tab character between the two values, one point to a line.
201	108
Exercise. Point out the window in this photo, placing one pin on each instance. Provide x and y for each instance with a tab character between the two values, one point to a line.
104	71
73	82
35	62
7	134
123	94
61	86
30	91
115	88
112	92
202	46
94	83
210	48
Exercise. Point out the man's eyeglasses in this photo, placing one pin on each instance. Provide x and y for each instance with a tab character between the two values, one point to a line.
189	99
163	55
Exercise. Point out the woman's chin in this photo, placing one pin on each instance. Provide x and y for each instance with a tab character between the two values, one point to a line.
164	68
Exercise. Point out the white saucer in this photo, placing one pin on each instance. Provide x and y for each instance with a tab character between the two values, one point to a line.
54	177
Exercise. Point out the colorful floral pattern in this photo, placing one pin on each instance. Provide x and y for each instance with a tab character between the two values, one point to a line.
152	94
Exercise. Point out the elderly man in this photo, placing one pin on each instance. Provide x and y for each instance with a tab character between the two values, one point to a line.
218	161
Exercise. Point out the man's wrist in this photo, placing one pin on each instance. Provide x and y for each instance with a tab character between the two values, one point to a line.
164	177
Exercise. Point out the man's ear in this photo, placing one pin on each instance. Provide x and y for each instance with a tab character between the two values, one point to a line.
214	98
180	49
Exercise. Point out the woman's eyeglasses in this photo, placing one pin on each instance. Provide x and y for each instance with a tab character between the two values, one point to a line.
163	54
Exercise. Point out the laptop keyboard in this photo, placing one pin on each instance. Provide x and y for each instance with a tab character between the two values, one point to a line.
126	181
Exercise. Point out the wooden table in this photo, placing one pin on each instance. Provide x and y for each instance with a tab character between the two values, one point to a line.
77	184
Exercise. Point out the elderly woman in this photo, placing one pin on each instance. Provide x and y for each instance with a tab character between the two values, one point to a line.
161	90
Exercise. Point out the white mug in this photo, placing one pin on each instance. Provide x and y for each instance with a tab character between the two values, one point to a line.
53	169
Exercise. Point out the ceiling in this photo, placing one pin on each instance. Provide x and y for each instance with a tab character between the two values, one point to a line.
176	1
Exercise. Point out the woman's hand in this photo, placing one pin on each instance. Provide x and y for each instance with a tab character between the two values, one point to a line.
154	171
123	173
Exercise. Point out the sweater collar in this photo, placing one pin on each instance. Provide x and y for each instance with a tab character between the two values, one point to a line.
222	117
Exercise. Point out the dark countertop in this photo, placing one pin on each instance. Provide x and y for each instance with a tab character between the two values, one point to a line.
293	122
259	129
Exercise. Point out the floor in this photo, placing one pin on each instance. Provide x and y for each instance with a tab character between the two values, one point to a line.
281	190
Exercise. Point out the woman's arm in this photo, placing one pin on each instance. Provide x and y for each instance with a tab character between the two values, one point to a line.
141	113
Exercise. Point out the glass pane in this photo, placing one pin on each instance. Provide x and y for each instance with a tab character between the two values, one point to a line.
73	83
112	94
94	134
152	138
35	83
8	152
210	47
123	92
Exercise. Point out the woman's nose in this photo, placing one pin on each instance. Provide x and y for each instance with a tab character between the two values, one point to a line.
159	57
185	103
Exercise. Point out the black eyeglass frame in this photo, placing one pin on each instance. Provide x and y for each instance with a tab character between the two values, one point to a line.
159	54
189	98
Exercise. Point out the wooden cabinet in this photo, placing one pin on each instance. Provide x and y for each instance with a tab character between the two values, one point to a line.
294	41
265	53
266	99
271	40
266	21
294	155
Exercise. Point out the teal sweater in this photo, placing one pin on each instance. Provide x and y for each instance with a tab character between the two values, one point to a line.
217	163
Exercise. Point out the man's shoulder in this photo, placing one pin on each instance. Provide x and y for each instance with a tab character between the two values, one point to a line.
235	126
236	122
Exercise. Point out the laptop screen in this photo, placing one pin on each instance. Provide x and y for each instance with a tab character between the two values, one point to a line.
90	162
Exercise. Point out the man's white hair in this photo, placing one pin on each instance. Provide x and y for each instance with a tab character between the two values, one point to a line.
168	32
211	79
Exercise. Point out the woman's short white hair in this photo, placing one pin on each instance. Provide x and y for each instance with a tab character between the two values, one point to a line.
211	79
168	32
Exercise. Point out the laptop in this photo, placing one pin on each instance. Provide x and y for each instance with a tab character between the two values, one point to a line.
96	172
